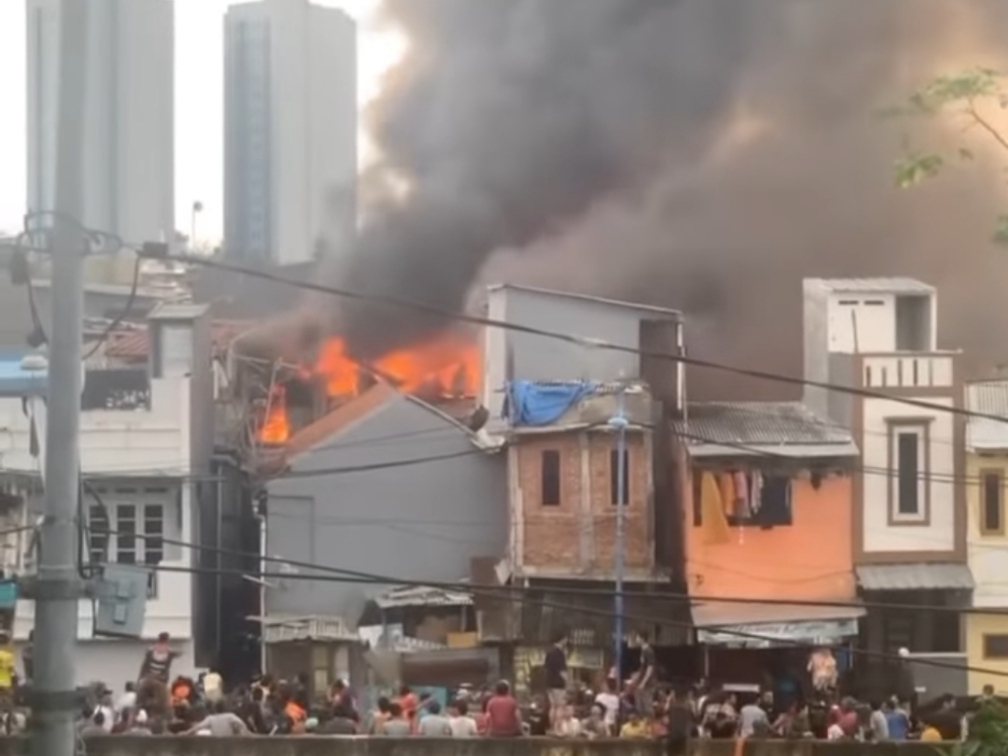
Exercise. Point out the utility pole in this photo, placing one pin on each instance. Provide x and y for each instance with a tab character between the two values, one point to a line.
618	422
58	586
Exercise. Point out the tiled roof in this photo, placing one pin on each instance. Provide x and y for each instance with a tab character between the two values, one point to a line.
987	398
915	577
883	285
758	424
134	343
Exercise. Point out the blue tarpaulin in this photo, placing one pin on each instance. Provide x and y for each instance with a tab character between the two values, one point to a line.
531	403
16	381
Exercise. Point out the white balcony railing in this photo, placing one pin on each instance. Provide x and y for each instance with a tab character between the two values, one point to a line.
907	371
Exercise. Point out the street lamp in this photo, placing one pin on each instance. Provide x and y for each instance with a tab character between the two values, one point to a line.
197	207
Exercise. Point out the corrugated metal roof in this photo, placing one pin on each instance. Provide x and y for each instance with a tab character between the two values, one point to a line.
588	298
758	424
988	398
717	614
890	285
915	577
420	595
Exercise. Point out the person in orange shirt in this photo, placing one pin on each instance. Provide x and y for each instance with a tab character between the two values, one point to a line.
181	691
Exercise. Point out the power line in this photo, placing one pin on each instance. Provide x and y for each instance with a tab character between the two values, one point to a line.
580	341
363	578
121	315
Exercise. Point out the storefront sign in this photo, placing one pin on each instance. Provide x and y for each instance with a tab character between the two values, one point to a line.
771	634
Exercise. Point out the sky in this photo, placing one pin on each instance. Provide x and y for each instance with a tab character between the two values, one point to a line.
199	103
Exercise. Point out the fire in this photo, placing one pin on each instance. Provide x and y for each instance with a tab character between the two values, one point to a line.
448	366
276	427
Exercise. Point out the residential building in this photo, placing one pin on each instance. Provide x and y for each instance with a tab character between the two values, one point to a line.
986	536
384	485
553	402
146	440
771	488
290	130
127	172
879	336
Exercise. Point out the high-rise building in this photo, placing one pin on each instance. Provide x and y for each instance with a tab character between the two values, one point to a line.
128	181
290	129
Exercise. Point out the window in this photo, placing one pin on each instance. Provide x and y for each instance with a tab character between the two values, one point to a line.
991	515
550	478
748	497
98	518
129	527
995	646
153	534
908	471
614	472
125	537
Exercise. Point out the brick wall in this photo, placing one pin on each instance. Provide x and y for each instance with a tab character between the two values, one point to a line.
579	534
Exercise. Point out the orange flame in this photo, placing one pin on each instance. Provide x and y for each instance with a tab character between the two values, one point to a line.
446	367
276	427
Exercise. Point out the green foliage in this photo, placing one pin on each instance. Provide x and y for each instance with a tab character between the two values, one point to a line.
1001	231
967	86
913	169
988	731
961	95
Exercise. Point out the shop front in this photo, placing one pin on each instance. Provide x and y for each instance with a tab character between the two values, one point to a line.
790	649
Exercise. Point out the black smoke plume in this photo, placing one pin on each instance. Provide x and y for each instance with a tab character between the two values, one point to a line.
704	154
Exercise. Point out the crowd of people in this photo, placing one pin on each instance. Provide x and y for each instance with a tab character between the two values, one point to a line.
637	707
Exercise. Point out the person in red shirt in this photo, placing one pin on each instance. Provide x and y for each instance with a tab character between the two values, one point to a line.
503	716
408	702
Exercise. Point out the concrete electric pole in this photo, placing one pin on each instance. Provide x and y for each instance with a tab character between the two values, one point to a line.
59	586
618	423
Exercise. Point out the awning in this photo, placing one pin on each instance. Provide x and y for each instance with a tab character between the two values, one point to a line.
772	625
915	577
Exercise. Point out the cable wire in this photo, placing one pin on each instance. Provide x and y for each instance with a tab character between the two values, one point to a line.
581	341
121	315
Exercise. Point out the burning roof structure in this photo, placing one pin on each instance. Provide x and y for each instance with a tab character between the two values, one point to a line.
285	396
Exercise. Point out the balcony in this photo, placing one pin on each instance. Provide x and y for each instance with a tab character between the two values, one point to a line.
882	371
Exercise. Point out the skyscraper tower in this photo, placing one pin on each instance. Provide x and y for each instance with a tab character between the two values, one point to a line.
290	129
128	167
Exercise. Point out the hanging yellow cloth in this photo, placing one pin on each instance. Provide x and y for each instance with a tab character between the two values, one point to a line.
726	487
712	511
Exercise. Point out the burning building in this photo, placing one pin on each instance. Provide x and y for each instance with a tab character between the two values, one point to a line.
284	396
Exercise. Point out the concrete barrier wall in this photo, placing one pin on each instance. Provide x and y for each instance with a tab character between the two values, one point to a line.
337	746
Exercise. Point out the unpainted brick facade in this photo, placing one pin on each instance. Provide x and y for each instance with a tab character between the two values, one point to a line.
578	535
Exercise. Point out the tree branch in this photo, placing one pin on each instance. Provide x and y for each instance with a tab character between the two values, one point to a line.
971	108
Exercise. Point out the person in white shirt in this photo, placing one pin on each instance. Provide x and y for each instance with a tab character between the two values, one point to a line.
568	725
107	711
461	724
126	703
213	686
609	700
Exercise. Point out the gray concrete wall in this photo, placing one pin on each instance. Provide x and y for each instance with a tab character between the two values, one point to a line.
513	355
421	521
343	746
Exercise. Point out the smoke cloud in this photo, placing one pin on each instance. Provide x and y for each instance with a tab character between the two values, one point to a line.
701	154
